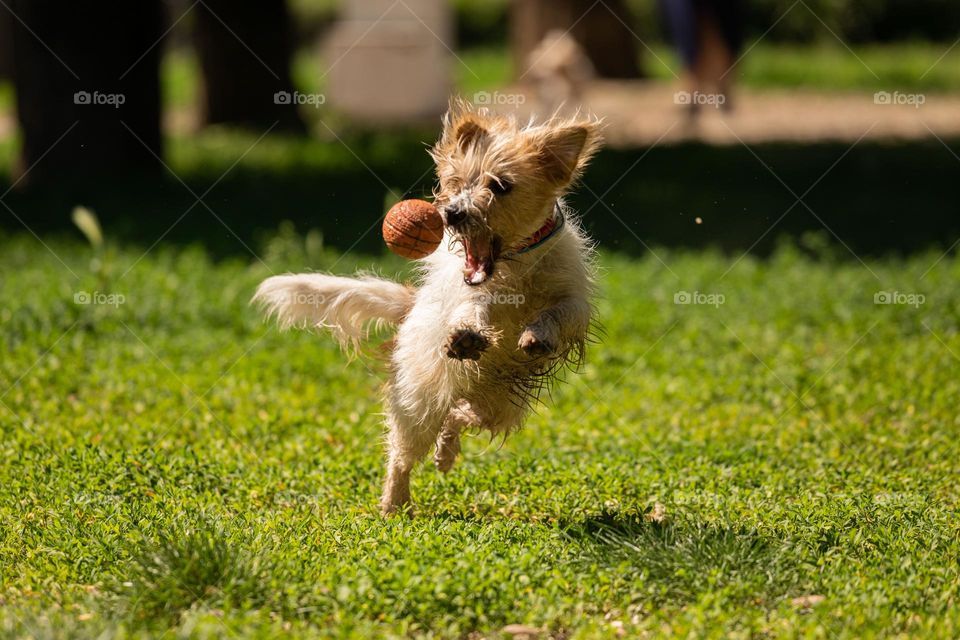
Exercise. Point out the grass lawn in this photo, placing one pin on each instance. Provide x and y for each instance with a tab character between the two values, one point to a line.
173	464
829	66
877	197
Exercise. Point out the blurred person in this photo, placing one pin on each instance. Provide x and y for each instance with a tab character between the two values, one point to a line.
708	36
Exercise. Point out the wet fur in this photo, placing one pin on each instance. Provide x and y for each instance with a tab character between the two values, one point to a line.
470	357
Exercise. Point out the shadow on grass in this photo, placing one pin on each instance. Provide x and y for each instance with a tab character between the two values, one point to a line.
676	562
874	198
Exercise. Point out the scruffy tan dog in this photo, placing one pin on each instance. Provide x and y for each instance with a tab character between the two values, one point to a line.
500	305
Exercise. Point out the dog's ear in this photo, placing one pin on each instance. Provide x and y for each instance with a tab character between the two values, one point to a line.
469	133
564	151
462	126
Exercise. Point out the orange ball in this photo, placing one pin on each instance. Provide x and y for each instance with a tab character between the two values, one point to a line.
413	228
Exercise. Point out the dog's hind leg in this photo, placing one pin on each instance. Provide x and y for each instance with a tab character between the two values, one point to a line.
461	415
407	443
448	446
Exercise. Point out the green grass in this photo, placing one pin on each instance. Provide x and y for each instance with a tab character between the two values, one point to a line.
475	69
830	66
826	66
483	69
172	464
340	184
7	97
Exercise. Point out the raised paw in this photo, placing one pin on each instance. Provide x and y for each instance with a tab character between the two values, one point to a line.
534	345
466	344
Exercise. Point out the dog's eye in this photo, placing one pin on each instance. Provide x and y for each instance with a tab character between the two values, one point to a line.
501	187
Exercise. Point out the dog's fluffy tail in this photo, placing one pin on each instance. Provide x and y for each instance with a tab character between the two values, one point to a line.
346	306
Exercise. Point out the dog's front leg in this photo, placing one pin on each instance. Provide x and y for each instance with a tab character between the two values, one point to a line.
470	331
556	327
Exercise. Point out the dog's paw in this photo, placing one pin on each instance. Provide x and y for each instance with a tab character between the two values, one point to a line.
466	344
390	510
534	345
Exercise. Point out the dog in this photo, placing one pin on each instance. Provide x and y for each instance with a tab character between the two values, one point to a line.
559	70
500	306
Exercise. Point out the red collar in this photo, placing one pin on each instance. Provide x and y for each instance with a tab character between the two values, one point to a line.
552	224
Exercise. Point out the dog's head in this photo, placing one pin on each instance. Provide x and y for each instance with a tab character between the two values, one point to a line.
498	180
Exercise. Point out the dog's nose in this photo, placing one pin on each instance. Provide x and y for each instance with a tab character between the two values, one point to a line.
454	215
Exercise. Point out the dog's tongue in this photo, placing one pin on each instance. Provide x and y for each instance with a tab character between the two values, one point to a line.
479	261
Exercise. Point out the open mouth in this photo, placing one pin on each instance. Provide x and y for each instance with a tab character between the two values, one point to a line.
481	254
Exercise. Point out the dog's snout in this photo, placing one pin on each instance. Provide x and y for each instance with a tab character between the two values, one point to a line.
454	214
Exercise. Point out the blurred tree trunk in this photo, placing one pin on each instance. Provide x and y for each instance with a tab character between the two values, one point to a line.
599	27
6	44
87	67
244	50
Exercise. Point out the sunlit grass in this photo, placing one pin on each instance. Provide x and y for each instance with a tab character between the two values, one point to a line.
173	464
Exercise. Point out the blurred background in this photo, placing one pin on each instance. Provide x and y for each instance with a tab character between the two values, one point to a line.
730	124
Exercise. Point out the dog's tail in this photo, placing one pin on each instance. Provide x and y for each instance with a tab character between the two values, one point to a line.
346	306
